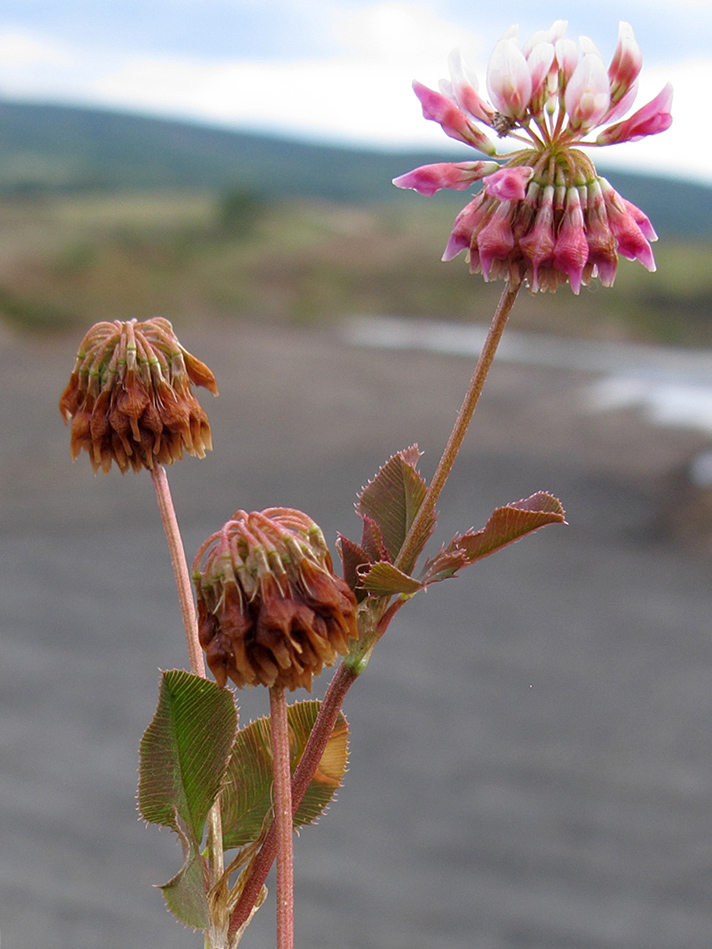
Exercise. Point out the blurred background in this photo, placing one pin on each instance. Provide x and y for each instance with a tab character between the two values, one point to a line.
531	746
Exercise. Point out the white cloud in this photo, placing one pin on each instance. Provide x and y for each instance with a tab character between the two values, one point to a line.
361	95
403	35
20	48
335	99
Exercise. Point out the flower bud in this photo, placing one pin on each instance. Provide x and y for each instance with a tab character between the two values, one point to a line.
540	62
567	58
495	241
130	399
462	88
538	244
509	184
271	611
625	221
552	35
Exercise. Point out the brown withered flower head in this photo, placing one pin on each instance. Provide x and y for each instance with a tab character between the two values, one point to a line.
130	398
271	611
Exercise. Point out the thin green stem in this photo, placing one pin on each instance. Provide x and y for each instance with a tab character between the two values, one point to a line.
409	550
180	568
282	783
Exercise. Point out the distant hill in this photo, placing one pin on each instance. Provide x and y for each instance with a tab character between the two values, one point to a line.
50	148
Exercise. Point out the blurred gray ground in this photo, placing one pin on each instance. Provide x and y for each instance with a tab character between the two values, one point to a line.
531	760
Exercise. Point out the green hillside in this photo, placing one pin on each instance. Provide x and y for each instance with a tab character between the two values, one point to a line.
107	216
49	148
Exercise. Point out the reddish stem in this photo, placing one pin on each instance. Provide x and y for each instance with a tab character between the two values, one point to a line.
323	727
346	676
180	568
410	549
282	818
321	732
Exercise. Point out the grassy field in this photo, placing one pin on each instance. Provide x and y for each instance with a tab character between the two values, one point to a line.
73	260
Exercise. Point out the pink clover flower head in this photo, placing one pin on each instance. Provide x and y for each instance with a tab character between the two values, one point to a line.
543	215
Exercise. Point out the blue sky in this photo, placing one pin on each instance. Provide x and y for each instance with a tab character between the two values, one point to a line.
335	70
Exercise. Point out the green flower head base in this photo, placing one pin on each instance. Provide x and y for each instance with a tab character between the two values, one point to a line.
270	609
544	216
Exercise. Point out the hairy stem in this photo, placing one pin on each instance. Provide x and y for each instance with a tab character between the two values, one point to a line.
347	675
321	732
180	568
409	550
282	817
215	936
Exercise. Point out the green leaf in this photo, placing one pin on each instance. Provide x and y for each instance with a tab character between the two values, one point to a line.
383	579
247	794
185	894
505	526
328	776
184	752
392	500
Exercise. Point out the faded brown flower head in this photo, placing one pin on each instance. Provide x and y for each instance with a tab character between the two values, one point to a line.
271	611
130	398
